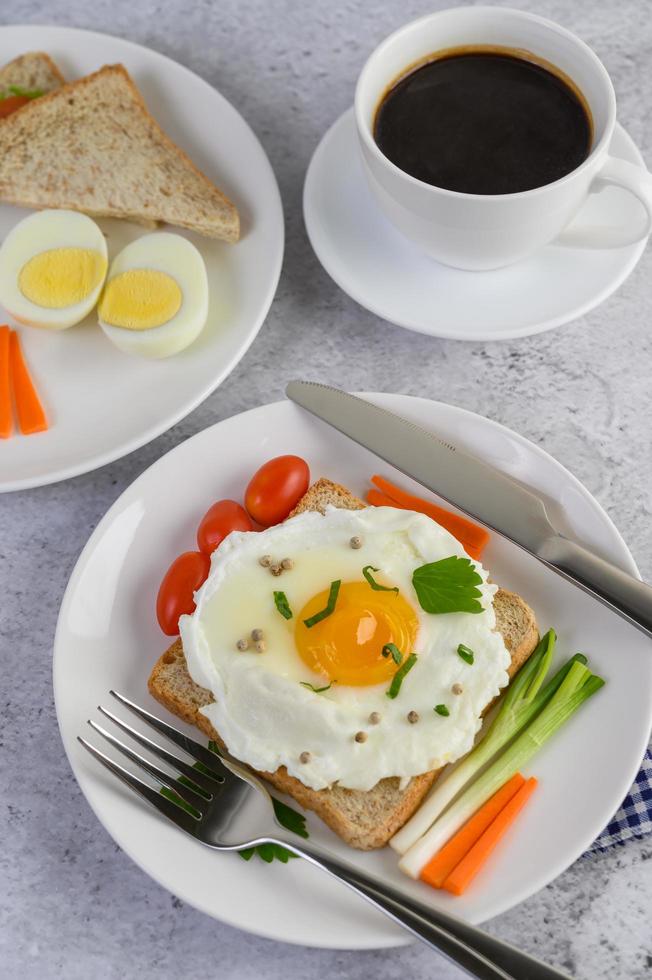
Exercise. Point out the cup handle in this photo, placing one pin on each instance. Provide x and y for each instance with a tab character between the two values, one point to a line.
618	173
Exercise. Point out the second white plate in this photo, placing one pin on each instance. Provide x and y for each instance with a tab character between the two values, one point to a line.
107	637
102	403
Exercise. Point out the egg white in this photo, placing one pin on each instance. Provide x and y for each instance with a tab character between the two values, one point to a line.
262	712
38	233
166	252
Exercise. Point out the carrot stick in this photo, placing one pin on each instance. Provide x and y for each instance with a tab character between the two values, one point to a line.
440	866
468	533
6	421
31	416
461	877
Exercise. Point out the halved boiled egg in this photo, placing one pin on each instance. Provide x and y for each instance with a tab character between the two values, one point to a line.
52	268
155	302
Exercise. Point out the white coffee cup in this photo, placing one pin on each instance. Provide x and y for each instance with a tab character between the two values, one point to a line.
478	231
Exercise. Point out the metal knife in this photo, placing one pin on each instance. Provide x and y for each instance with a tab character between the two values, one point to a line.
482	492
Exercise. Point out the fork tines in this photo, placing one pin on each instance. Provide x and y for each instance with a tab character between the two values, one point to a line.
183	798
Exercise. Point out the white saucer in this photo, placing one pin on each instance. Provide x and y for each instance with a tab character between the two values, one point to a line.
380	269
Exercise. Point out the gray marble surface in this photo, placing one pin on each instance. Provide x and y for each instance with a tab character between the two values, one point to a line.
73	906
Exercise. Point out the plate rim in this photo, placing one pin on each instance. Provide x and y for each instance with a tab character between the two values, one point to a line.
449	332
276	204
392	940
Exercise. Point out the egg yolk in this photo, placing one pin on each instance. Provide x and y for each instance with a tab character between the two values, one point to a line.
61	277
346	647
140	299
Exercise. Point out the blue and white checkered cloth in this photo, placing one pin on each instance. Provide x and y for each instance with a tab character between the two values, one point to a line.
634	819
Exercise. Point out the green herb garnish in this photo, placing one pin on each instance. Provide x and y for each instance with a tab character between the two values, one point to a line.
330	606
400	674
466	653
26	93
391	650
317	690
282	604
291	820
448	586
442	710
367	570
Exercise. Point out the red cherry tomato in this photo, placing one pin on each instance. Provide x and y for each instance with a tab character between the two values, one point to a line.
218	521
176	593
276	488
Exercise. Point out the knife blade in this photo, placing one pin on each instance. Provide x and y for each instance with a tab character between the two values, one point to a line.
481	491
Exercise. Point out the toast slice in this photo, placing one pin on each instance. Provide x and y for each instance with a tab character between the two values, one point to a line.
363	819
92	146
33	71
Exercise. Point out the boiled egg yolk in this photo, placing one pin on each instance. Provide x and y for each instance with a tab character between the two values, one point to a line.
346	647
140	299
61	277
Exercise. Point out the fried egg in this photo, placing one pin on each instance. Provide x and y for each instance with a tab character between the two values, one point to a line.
52	268
313	696
155	302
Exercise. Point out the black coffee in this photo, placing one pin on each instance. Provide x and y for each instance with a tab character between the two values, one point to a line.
483	122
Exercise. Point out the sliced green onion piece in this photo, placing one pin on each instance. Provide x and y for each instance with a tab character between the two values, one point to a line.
391	650
466	653
282	604
367	570
316	690
330	606
399	676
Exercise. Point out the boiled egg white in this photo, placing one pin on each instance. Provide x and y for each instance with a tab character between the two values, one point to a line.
52	269
155	301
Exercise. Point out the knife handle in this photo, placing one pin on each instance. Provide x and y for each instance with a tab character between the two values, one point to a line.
627	595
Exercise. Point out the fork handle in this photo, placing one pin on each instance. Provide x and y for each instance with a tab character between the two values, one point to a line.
480	954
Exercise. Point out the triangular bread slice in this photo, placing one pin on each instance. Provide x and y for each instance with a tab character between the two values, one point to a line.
33	71
363	819
92	146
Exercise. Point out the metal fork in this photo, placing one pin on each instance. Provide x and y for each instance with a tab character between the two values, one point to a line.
215	794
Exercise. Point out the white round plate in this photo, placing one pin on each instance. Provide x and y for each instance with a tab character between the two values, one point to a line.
107	637
388	275
102	403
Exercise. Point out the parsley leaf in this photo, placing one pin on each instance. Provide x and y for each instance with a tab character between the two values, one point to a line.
289	818
399	676
448	586
391	650
282	604
367	570
317	690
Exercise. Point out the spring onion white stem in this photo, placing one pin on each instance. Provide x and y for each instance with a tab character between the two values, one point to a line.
577	685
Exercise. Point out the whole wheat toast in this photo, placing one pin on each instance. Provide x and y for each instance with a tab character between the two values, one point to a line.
92	146
364	819
34	71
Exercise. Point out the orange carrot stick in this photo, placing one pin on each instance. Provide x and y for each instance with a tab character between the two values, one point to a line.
6	421
31	416
462	528
461	877
440	866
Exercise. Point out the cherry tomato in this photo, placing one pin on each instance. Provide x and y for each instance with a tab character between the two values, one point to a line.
218	521
176	593
276	488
